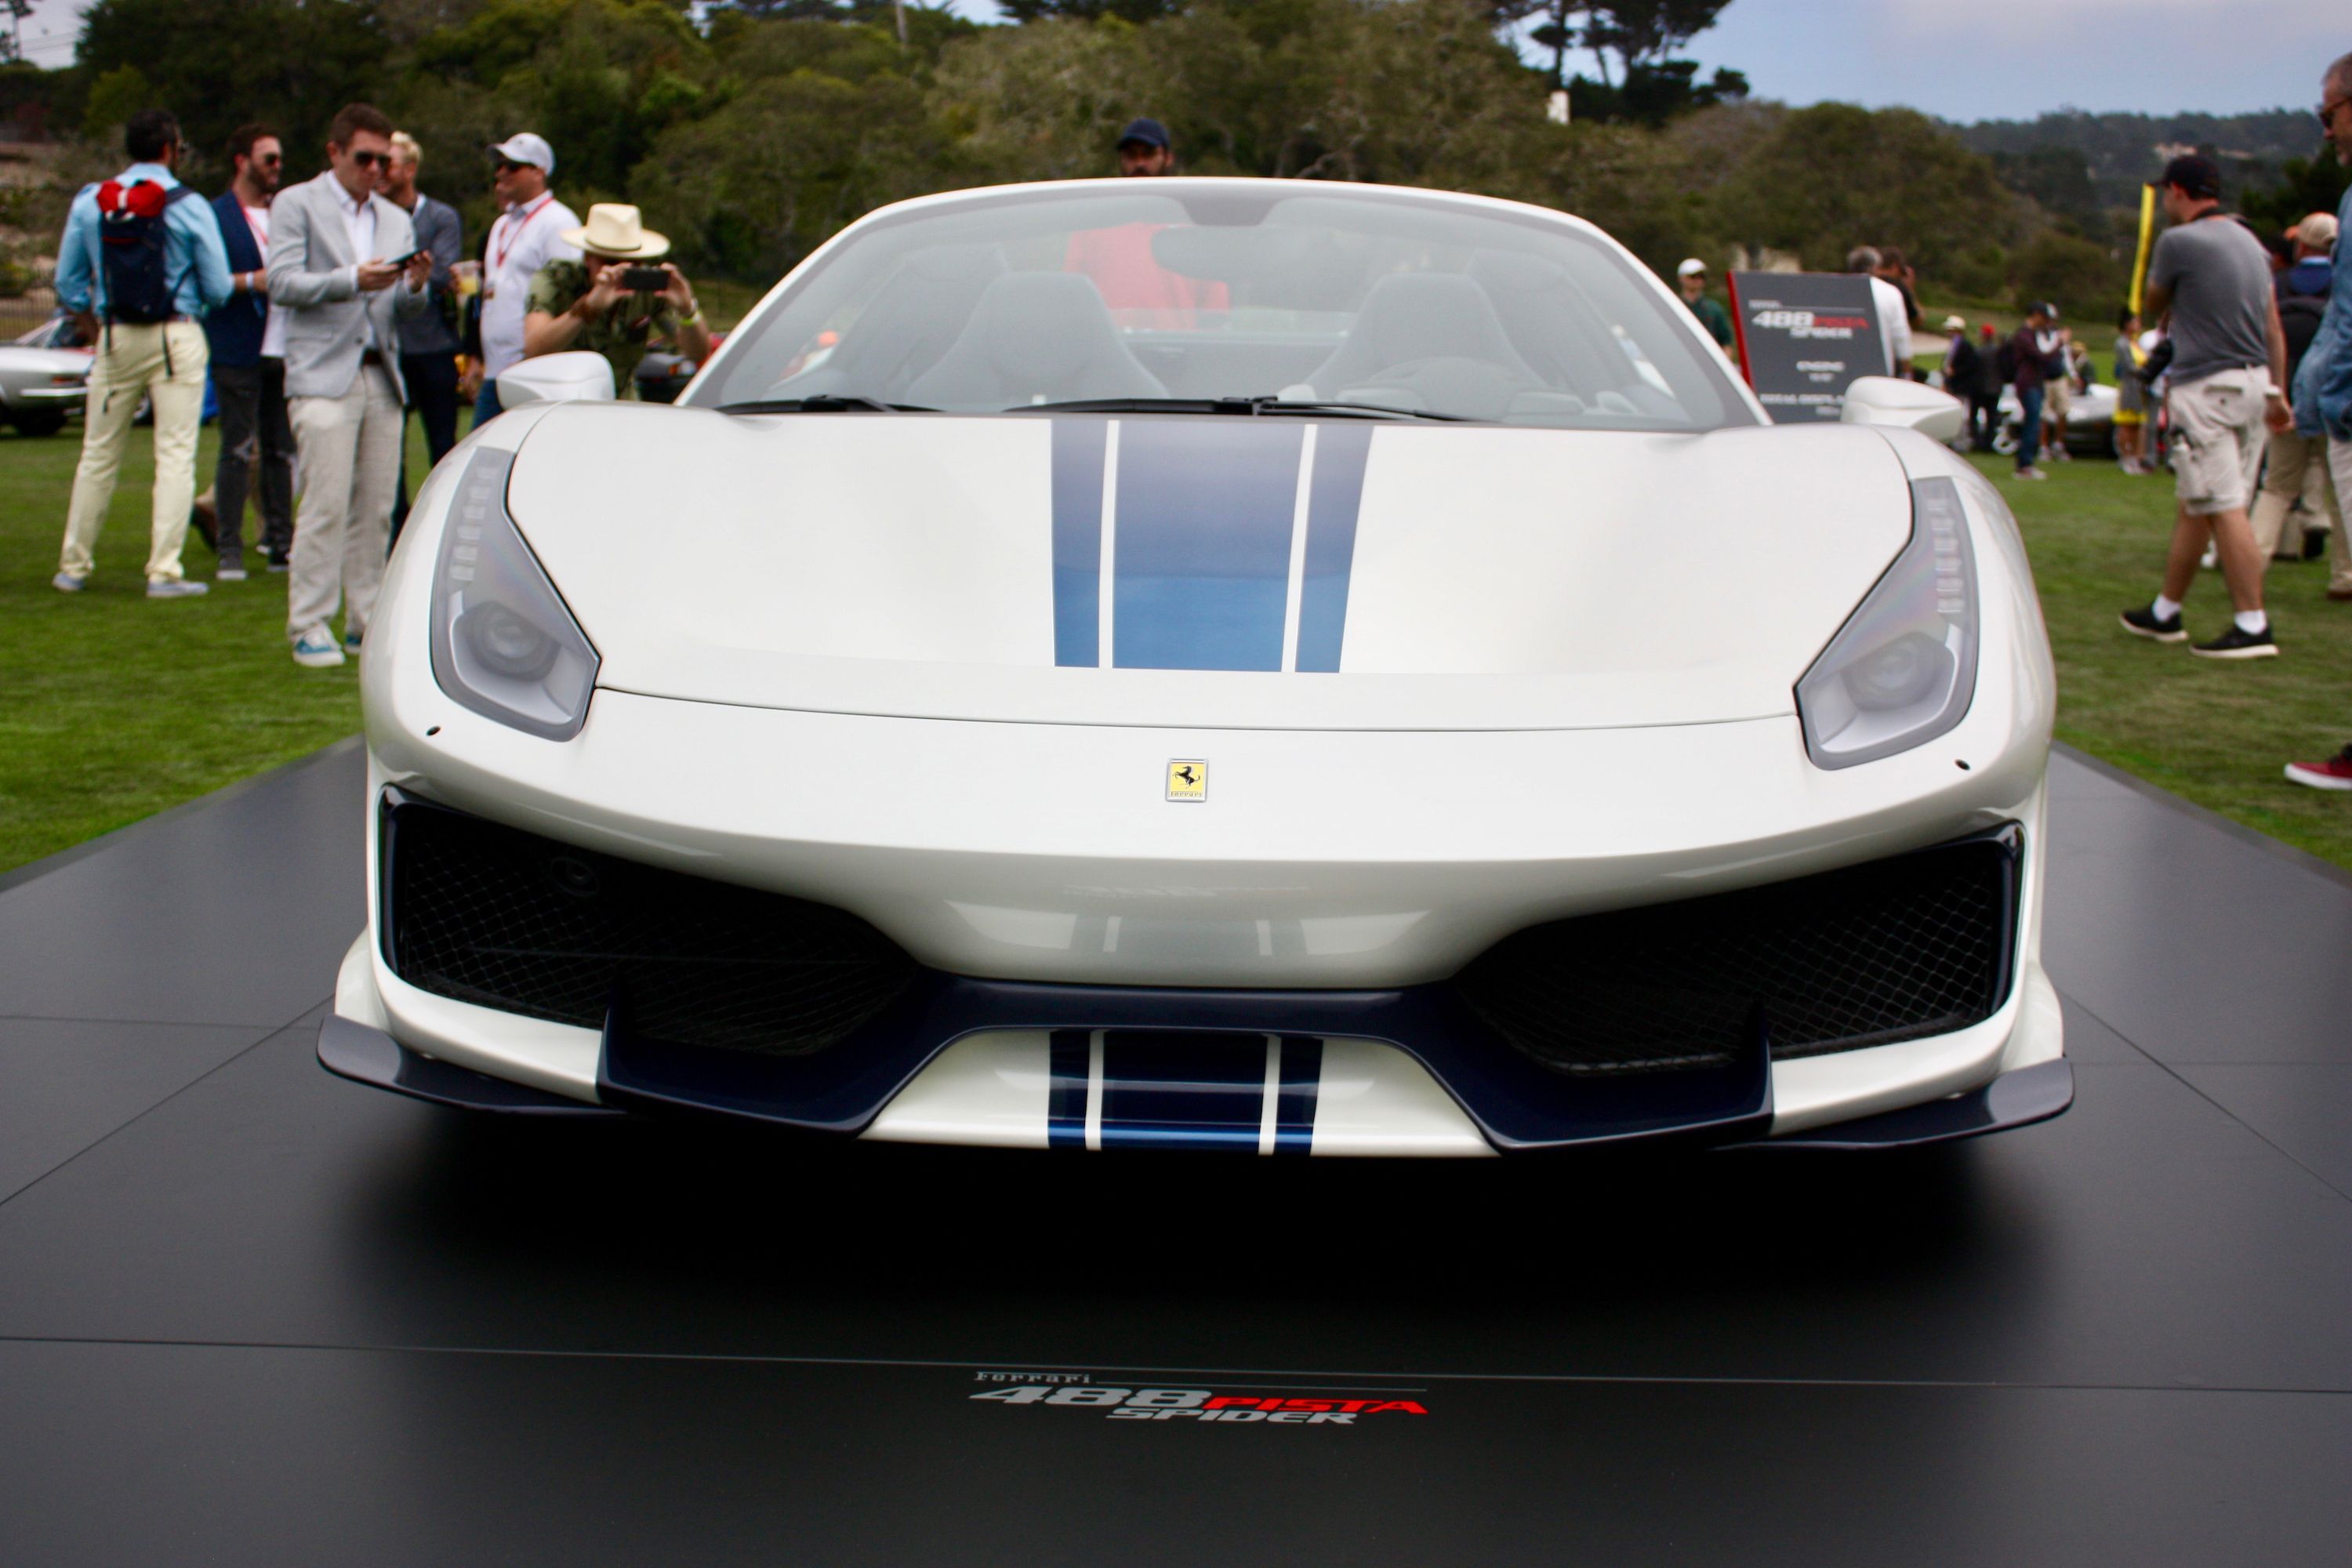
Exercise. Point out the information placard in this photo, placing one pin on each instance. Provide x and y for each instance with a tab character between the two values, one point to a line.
1803	339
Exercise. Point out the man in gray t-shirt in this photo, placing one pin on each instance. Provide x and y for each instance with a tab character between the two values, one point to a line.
2213	278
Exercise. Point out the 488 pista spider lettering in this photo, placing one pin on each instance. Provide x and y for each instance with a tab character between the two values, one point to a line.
1210	664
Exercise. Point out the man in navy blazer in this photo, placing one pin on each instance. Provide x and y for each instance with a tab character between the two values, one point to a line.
247	336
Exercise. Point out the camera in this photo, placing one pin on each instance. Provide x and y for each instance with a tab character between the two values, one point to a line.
643	280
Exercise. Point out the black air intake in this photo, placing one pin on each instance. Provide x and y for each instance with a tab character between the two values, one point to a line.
1919	944
509	920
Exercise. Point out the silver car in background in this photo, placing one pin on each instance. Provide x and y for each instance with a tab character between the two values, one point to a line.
45	376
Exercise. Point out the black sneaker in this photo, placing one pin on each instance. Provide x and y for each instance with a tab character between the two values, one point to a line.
2238	644
2142	623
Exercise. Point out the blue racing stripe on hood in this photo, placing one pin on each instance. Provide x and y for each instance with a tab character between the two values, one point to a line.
1334	500
1201	549
1077	540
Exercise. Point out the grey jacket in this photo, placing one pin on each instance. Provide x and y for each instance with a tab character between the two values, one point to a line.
312	272
439	231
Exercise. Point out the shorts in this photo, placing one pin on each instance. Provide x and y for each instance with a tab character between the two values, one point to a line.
2218	439
2055	397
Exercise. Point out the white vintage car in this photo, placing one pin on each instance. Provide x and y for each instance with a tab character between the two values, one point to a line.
44	376
1208	663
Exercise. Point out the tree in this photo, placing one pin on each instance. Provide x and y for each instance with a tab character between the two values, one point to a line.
216	64
1089	10
1834	175
1645	32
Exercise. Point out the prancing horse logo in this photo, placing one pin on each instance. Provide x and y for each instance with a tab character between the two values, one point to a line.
1188	779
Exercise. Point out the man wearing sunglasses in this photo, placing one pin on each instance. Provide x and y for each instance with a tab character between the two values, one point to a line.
344	263
529	235
247	336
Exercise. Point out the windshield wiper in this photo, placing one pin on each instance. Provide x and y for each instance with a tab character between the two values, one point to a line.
825	402
1242	405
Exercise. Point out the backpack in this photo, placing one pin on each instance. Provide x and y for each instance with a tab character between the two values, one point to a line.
130	231
2004	362
2299	317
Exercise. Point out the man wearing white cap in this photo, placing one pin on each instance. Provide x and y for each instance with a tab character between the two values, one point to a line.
618	300
1692	276
526	237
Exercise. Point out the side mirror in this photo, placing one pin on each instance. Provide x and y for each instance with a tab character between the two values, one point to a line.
1886	400
578	377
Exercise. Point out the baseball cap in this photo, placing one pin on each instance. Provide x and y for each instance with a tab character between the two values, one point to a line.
1691	265
527	147
2318	231
1955	324
1150	133
2197	176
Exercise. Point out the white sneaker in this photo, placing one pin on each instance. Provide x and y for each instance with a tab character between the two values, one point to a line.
175	588
316	649
66	582
2210	559
229	575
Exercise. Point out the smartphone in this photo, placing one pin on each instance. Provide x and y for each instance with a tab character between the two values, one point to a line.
403	260
643	280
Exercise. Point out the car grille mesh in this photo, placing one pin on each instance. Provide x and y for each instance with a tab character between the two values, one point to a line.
1889	951
508	919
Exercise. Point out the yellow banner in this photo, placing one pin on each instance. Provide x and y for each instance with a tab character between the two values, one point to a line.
2146	241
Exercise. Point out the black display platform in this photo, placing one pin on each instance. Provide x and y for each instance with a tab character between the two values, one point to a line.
250	1314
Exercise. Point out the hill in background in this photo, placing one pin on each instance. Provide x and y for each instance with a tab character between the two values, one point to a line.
2119	153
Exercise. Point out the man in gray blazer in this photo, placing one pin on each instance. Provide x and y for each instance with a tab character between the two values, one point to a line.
343	262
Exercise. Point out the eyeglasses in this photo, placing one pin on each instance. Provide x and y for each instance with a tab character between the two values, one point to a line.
370	160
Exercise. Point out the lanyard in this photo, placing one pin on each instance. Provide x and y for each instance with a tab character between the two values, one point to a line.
513	232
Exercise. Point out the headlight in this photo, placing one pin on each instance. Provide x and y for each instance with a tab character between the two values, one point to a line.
503	643
1901	670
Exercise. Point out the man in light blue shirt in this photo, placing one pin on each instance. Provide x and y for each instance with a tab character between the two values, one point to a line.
2322	399
142	358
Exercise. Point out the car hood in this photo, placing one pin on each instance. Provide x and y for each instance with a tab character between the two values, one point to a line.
1206	571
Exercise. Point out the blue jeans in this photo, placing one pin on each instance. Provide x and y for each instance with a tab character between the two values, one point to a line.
486	406
2028	433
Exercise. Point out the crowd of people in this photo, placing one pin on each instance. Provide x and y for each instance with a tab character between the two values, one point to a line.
322	315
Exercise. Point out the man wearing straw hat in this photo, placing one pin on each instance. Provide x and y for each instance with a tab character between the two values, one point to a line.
591	303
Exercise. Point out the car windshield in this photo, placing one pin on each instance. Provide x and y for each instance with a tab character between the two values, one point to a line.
57	333
1397	302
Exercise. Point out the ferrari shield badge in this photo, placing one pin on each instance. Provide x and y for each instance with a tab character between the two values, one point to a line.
1188	779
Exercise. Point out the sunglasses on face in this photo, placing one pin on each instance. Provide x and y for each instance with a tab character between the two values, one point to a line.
372	160
503	167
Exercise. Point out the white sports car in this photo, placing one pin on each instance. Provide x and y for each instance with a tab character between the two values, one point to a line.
1206	663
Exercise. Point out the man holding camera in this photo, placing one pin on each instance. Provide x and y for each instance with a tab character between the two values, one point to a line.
617	299
344	263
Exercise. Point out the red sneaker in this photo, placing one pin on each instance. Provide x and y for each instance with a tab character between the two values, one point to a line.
2336	773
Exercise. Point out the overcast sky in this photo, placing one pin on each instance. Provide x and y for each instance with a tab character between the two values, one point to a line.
1961	59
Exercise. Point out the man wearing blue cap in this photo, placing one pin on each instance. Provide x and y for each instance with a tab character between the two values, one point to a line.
1139	291
1143	150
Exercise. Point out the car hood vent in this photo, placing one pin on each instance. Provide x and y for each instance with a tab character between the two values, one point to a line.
1208	570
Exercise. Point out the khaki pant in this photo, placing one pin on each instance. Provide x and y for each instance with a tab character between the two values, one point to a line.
350	449
2218	439
2339	545
2296	470
131	365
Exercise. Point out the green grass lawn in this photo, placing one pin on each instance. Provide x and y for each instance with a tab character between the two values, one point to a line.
2217	732
113	708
